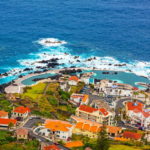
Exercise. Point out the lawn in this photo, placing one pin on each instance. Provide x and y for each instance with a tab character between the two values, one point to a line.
35	91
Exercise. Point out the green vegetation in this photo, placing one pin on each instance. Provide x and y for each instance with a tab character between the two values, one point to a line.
5	104
27	145
6	137
8	142
48	100
123	147
103	142
78	88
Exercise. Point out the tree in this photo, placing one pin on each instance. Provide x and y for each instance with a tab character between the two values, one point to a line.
135	94
103	140
10	125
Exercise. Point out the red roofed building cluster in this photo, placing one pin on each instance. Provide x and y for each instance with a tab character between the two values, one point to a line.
132	135
138	114
20	113
91	129
100	115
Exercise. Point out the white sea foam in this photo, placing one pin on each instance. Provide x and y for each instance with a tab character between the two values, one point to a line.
104	63
66	59
51	42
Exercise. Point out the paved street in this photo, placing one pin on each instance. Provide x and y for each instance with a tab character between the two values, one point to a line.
32	122
42	139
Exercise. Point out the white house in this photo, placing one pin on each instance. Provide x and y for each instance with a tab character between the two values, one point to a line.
20	113
113	88
73	80
57	129
85	79
137	114
79	99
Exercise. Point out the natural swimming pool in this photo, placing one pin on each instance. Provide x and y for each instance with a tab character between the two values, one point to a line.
29	81
121	77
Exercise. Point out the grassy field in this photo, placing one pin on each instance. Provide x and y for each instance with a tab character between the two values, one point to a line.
125	147
46	99
28	145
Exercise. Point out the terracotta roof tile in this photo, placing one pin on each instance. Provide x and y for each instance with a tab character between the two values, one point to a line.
22	131
7	121
133	106
79	125
85	98
132	135
103	111
121	139
86	127
74	144
51	147
75	78
58	125
3	113
87	108
21	109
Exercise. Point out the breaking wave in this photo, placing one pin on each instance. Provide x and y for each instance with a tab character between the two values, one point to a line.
50	42
54	54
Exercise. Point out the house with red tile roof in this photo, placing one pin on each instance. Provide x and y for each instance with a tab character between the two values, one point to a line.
91	129
5	123
132	135
3	114
74	144
20	113
56	130
100	115
73	80
79	99
138	114
51	147
22	133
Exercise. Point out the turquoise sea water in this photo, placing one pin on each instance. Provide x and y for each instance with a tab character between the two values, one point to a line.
117	29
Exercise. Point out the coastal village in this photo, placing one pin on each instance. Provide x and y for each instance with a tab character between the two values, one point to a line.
67	111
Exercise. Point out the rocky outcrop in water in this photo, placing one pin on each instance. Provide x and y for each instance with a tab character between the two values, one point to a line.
71	71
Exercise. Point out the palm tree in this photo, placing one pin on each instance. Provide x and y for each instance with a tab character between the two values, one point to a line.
135	94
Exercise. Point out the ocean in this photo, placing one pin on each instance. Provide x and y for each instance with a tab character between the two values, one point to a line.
113	31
